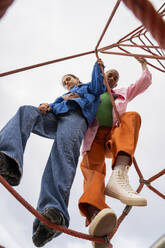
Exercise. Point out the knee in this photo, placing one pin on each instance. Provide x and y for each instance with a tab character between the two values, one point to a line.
132	115
28	111
136	116
27	108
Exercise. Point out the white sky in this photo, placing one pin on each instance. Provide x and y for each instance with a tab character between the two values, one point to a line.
37	31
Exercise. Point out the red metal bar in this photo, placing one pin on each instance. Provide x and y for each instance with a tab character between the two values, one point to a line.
156	191
124	38
151	43
155	49
155	67
140	187
161	173
108	22
126	45
135	55
44	63
163	5
136	45
137	168
125	212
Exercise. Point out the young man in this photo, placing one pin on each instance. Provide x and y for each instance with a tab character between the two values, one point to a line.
104	138
66	121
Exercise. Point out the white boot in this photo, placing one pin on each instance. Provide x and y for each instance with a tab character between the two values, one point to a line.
118	187
102	224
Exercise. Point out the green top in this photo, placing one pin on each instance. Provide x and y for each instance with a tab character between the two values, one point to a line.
104	112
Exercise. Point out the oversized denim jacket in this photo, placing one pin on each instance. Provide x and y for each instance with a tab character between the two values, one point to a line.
89	97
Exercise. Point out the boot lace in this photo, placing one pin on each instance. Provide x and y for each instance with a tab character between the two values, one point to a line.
123	180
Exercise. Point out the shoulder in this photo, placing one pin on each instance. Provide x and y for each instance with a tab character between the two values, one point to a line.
121	91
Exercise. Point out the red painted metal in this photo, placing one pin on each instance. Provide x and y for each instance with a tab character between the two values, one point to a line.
137	34
43	219
146	13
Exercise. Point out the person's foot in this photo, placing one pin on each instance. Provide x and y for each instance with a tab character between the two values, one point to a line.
102	224
118	187
42	233
9	170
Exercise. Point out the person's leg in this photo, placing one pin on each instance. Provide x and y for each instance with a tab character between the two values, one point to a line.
123	144
125	137
14	136
93	169
92	204
59	172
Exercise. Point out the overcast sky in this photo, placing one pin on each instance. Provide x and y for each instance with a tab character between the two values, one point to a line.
37	31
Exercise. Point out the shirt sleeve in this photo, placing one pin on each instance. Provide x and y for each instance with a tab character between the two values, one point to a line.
52	105
140	86
96	86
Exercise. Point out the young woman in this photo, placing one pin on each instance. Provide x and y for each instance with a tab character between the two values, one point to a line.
66	121
103	138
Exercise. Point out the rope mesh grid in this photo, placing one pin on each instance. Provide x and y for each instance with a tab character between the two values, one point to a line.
139	40
154	23
151	51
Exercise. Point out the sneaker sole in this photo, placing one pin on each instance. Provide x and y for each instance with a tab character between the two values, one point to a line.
103	224
126	200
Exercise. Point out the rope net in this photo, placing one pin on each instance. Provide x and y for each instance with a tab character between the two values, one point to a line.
150	18
152	51
138	41
139	38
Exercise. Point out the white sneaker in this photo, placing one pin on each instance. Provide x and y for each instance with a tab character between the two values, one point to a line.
118	187
102	224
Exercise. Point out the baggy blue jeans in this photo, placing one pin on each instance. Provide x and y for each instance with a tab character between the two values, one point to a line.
67	130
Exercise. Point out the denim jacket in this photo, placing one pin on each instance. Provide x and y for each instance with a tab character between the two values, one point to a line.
89	97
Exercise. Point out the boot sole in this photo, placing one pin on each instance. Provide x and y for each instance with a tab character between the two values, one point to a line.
103	224
126	200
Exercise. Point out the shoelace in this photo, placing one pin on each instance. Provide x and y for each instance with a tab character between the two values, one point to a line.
123	180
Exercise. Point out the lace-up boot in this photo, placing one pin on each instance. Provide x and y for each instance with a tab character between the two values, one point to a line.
118	187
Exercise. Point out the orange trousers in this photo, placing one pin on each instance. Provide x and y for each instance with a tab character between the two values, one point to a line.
107	143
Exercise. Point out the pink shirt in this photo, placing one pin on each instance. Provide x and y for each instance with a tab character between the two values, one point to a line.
125	95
